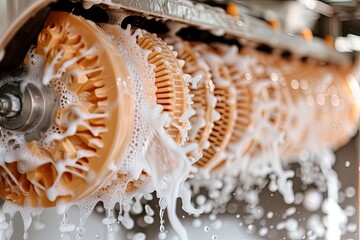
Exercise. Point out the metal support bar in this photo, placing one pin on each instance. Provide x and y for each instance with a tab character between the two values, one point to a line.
13	15
244	26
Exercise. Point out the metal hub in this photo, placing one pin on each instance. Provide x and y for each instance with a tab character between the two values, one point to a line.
30	111
10	105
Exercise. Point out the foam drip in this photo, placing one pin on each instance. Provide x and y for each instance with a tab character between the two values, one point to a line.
26	213
167	181
336	217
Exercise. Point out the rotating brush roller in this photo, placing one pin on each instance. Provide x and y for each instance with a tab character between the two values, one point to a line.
324	90
204	101
172	90
241	79
295	84
268	103
225	94
92	122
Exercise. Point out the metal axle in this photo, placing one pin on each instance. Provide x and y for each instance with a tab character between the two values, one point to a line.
10	105
30	111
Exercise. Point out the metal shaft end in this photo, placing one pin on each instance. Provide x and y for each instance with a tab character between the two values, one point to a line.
10	105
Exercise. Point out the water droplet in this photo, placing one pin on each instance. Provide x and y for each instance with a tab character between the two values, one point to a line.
148	196
148	210
281	226
196	223
252	197
139	236
291	224
148	219
351	227
299	198
294	84
274	77
162	236
251	228
258	212
206	229
263	231
108	220
290	211
217	225
350	192
312	200
212	217
347	164
350	210
214	237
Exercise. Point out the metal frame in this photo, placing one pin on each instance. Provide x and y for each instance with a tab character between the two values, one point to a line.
244	26
13	14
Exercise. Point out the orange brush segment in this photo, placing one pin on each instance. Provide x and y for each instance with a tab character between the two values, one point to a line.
72	159
171	90
203	92
225	107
